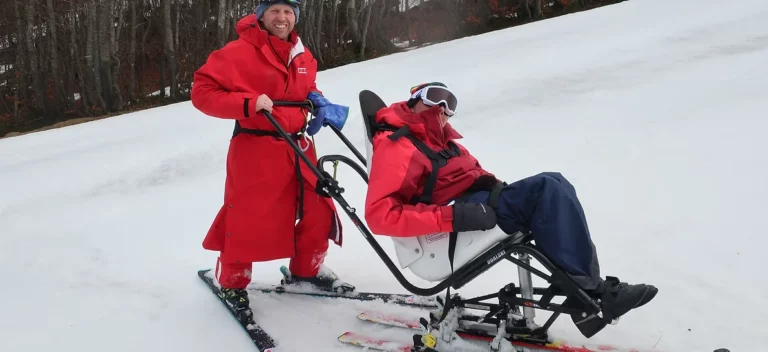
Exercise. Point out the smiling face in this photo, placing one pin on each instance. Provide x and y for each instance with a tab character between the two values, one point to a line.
279	20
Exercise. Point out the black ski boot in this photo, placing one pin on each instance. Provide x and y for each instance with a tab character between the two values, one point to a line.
325	280
618	298
237	298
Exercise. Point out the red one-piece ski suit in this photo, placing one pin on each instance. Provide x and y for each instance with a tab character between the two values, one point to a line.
263	195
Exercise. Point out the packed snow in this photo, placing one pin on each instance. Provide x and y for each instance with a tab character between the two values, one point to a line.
655	110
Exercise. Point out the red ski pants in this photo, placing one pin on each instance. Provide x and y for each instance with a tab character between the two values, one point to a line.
311	244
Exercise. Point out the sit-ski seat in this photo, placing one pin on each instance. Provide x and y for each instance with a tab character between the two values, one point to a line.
427	256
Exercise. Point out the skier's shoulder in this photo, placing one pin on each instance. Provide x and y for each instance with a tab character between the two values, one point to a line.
237	50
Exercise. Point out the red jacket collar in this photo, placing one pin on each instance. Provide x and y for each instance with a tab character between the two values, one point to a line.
249	28
424	125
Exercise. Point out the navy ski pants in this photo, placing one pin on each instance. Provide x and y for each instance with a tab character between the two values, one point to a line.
546	204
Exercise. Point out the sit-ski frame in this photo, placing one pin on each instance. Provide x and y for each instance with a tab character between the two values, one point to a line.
561	284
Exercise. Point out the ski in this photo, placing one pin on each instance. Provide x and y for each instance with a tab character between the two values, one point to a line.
390	319
261	339
391	298
409	300
374	344
402	321
381	344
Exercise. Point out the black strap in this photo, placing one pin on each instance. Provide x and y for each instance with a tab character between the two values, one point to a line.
493	199
429	186
399	132
300	181
437	159
239	129
448	304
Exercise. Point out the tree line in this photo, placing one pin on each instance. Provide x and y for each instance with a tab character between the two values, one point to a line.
66	59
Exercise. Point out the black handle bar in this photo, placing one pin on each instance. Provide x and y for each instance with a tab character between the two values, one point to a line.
298	104
308	104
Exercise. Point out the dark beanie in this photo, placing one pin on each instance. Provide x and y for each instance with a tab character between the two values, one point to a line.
264	5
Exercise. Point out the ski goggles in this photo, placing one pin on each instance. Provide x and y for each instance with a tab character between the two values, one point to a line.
437	95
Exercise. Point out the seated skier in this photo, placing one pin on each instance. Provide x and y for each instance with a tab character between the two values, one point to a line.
399	202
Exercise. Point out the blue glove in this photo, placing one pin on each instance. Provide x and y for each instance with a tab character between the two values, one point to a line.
326	113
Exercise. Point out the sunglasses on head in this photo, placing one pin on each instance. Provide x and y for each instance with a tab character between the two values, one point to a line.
436	95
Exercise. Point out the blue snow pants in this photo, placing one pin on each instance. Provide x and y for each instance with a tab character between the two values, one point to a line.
546	205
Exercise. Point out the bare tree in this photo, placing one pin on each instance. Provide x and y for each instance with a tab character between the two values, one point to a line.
34	64
54	56
169	49
132	52
367	23
223	29
22	63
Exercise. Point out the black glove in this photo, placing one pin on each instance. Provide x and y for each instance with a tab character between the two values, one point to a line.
483	183
473	217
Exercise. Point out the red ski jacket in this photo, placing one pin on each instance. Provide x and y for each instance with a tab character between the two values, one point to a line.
257	220
399	172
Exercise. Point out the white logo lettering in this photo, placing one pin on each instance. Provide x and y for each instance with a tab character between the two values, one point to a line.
496	257
303	70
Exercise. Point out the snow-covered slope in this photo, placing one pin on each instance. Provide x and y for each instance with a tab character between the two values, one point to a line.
655	110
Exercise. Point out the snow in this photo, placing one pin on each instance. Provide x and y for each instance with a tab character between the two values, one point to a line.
654	110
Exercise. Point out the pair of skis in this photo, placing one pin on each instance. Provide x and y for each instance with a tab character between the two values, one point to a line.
265	343
405	322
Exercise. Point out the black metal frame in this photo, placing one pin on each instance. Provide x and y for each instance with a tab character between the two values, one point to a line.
561	284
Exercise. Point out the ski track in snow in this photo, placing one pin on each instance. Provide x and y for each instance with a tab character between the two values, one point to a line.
656	116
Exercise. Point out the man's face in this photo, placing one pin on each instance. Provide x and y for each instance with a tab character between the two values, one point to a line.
279	20
420	106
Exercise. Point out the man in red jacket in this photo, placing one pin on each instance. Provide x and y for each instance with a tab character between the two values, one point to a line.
268	188
402	200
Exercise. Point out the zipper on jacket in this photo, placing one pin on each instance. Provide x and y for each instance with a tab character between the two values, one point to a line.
287	68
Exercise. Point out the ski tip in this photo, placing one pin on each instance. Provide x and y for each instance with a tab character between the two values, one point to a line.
350	338
353	338
203	272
